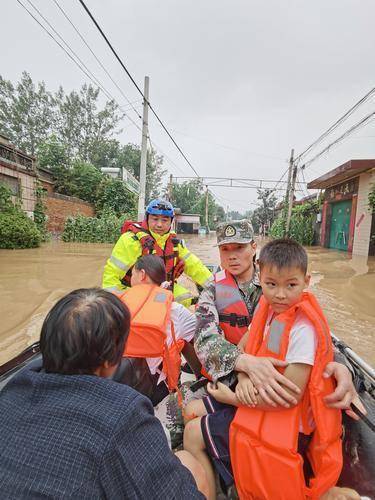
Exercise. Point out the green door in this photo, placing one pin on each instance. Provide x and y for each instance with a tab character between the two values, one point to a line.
340	221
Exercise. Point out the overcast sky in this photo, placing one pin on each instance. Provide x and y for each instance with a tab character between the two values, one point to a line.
237	82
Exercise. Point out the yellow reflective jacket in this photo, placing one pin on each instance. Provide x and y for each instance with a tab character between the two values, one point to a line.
128	249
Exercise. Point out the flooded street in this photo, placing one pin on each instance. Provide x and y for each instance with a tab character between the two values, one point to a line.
32	280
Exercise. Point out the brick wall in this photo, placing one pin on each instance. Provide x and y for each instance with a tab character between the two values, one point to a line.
363	217
59	207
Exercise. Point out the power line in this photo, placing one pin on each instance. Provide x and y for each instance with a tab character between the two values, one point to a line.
337	123
136	86
164	155
235	182
281	179
81	66
241	203
342	137
97	81
232	148
96	58
302	170
302	187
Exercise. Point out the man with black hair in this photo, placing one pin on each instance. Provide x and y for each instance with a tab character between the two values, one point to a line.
68	431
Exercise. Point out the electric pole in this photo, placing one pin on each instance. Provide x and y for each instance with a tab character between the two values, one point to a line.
293	171
170	186
207	226
142	171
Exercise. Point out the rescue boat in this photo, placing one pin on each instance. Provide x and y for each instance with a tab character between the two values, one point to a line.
358	436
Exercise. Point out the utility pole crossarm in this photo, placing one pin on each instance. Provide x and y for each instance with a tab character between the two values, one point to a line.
239	182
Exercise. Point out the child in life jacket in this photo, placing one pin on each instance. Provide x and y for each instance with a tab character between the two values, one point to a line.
257	445
160	329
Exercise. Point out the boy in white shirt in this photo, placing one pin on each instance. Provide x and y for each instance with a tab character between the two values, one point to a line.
283	277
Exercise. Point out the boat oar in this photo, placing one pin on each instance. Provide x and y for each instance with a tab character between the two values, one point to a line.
362	416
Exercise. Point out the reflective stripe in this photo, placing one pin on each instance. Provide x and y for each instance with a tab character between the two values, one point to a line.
183	296
113	289
274	339
208	280
118	263
226	296
185	257
220	275
160	297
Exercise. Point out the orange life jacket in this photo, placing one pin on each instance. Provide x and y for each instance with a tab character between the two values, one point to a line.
150	310
234	317
263	445
173	265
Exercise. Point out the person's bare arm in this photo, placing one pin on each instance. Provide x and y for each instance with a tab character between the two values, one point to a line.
345	393
297	373
242	343
191	357
270	383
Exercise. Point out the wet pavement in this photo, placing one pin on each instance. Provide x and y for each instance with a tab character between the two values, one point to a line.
32	280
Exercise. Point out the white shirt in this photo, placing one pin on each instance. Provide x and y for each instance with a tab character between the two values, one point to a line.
301	348
302	340
184	328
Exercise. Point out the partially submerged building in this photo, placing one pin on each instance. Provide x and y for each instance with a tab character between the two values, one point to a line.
187	223
347	222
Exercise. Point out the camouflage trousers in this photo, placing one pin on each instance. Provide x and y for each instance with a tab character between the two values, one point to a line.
169	413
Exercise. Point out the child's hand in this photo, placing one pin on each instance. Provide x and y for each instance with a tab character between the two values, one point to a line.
245	391
222	393
340	494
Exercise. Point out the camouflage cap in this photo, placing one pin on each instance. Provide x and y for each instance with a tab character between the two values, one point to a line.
235	231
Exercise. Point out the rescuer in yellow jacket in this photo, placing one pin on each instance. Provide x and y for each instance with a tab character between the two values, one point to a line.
154	235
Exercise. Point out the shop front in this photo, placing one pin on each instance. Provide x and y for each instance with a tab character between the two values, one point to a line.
347	222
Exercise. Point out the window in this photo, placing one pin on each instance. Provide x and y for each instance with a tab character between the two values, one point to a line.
13	183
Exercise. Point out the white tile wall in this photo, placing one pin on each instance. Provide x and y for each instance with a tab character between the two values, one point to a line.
362	232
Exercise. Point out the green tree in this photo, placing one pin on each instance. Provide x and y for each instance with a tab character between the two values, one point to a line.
301	223
131	155
27	112
187	196
235	215
17	230
81	125
113	195
220	215
265	213
110	153
84	180
190	197
52	153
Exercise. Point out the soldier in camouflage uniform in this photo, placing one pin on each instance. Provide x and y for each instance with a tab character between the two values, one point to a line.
217	355
220	358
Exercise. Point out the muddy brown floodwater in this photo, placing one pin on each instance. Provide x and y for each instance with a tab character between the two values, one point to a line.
32	280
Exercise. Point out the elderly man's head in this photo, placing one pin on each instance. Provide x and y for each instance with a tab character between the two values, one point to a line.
85	333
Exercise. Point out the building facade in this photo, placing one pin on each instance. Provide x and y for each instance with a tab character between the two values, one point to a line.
347	222
18	172
187	223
